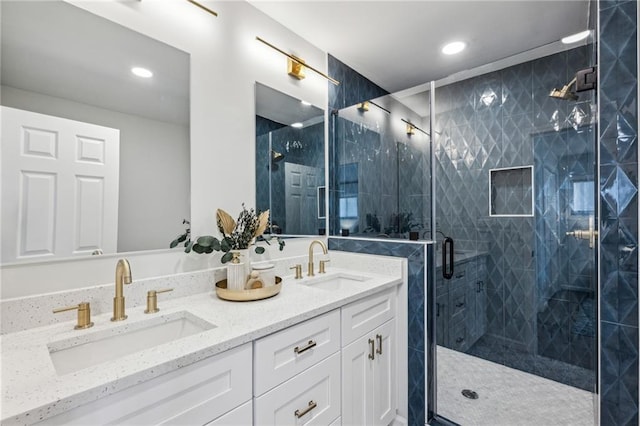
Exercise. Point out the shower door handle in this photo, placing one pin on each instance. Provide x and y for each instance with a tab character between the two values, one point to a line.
447	266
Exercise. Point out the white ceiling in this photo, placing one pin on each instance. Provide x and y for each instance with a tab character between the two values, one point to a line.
396	44
60	50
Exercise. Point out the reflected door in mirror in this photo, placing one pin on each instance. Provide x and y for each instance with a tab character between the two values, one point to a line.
59	187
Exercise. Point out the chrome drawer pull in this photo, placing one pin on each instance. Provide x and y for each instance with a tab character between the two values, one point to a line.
309	345
311	406
372	347
379	338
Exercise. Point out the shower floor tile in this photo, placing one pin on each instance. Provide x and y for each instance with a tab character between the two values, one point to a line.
507	397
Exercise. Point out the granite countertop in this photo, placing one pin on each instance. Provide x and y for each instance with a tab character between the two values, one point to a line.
32	390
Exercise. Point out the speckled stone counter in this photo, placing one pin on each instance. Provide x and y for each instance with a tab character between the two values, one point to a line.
32	390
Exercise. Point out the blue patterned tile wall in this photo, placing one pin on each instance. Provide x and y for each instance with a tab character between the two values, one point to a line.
618	95
505	119
353	88
299	146
263	127
416	254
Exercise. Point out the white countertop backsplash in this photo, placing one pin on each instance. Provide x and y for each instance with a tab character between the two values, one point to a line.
32	390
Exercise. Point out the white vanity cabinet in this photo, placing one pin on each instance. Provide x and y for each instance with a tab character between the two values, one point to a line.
369	361
333	369
196	394
297	374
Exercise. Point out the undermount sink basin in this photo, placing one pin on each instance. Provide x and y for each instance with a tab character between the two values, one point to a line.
334	281
73	354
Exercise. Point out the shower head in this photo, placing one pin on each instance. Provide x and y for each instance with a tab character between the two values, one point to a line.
565	93
276	156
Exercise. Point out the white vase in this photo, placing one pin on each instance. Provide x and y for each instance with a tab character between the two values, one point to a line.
236	277
238	270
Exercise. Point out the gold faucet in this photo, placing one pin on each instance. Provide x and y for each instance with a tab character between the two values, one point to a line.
324	251
123	275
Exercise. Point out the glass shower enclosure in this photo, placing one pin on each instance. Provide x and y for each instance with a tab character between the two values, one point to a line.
512	303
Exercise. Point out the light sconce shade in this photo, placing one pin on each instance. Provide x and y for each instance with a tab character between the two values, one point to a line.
363	106
296	66
411	130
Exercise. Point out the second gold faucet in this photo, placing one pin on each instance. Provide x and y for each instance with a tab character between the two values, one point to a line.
324	251
123	276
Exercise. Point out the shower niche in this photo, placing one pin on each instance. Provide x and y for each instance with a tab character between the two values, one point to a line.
511	192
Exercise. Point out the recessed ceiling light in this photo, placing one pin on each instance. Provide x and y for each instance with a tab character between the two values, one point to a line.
297	125
141	72
574	38
454	47
305	103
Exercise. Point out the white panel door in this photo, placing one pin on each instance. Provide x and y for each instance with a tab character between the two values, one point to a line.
301	193
59	186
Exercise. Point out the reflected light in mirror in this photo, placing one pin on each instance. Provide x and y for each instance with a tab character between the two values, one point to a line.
141	72
574	38
453	47
297	125
305	103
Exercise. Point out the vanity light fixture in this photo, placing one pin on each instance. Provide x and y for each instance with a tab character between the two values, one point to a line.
453	47
412	127
297	125
206	9
296	66
574	38
378	106
141	72
363	106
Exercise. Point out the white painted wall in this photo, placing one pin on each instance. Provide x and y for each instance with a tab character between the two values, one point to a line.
144	222
226	61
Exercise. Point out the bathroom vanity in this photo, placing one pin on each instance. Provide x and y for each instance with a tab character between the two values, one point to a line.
461	302
320	352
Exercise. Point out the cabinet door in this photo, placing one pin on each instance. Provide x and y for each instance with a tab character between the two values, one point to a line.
384	375
357	381
369	378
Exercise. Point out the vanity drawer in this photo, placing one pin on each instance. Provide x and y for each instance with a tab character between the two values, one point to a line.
241	416
195	394
316	391
282	355
363	316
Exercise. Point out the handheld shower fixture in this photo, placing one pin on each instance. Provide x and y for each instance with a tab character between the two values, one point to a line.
565	93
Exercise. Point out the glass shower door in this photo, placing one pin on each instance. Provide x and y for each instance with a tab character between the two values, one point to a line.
515	189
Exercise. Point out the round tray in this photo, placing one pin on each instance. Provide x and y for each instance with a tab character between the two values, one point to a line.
247	295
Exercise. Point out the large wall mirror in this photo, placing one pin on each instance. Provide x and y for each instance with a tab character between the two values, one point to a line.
94	158
290	162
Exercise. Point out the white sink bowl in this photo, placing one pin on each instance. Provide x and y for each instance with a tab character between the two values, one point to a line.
333	282
86	350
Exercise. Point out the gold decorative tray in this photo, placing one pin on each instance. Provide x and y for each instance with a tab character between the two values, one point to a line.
247	295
